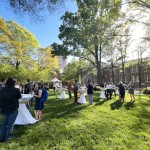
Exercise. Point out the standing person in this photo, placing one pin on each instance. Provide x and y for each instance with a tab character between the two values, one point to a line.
90	92
28	87
131	91
75	91
69	90
42	84
113	89
57	86
38	102
27	90
121	90
108	91
9	104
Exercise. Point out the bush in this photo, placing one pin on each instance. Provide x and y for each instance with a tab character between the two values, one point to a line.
96	88
146	90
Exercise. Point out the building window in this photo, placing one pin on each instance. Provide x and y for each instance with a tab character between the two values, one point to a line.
136	78
147	78
134	69
133	78
147	68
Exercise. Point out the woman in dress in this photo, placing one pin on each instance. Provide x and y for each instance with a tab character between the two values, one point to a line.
38	104
131	91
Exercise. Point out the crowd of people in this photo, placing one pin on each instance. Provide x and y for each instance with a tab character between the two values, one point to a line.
9	103
107	90
10	93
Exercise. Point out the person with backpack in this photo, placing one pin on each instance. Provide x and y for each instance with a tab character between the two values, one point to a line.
44	97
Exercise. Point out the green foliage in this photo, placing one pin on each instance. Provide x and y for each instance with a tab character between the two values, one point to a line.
87	31
75	70
35	8
19	54
107	125
59	50
22	74
146	90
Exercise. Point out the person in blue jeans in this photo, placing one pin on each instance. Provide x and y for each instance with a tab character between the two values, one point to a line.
9	104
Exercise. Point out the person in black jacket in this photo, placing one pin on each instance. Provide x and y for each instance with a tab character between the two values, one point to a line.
27	90
121	91
90	92
9	104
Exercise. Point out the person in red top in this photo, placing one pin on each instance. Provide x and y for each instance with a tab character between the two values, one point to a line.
69	90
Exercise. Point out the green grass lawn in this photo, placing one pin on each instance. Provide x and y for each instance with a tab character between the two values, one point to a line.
106	125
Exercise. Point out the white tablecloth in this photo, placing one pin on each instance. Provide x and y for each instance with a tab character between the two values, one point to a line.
82	99
24	116
102	95
63	94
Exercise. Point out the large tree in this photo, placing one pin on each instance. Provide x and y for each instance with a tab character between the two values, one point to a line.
35	8
90	29
46	61
19	47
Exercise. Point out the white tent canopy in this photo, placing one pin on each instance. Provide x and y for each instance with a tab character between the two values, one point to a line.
55	80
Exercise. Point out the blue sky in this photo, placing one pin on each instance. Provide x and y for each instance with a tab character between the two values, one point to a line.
45	32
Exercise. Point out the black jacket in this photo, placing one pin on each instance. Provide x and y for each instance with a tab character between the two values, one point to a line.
9	99
28	88
90	89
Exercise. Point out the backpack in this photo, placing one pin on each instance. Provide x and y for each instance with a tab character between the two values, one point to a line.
44	95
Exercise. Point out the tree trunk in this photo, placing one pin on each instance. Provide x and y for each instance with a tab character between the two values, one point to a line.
98	64
112	70
17	65
123	70
139	69
98	68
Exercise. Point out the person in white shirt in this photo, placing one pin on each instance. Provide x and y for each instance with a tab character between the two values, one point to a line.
108	90
113	89
57	86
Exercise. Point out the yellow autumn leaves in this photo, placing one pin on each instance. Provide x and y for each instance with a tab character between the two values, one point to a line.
19	48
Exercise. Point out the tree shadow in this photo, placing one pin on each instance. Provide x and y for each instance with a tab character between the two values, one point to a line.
62	108
116	105
101	101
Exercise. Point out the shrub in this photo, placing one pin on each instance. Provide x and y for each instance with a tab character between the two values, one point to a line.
96	88
146	90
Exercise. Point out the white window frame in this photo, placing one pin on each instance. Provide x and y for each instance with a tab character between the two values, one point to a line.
147	78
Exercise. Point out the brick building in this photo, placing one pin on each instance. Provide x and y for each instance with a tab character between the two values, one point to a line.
131	73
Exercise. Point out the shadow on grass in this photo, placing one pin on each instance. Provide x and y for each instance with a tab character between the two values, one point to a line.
62	108
101	101
129	105
116	105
